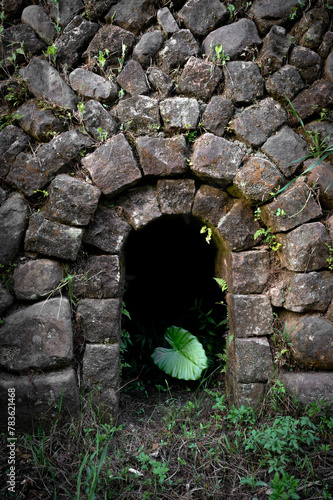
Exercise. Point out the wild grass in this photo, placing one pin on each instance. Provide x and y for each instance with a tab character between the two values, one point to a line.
179	444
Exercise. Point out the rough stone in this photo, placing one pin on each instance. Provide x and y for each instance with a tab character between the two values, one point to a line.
235	39
74	40
39	336
71	201
140	206
3	196
321	176
305	248
307	62
274	50
102	278
329	226
199	79
112	166
38	398
37	278
285	83
32	172
250	315
309	387
41	124
6	299
246	272
306	292
13	221
324	131
133	79
12	39
148	46
175	197
65	11
217	115
210	204
99	319
139	114
160	81
312	343
252	360
95	117
101	366
309	100
132	15
256	123
202	16
243	82
256	180
12	142
248	395
177	50
99	8
286	149
93	86
237	227
113	38
298	205
162	156
215	159
326	45
108	231
11	8
36	17
52	238
329	67
311	28
267	14
44	82
167	21
180	112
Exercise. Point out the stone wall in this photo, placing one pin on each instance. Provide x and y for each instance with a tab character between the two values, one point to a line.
142	110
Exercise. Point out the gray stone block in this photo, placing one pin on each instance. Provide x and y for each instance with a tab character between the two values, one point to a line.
250	315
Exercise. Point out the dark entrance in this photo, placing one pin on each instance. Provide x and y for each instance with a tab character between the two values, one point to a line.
169	281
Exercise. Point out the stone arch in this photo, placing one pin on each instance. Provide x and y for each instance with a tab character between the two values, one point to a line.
245	270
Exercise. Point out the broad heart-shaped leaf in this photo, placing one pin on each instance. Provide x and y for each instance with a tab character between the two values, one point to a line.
187	358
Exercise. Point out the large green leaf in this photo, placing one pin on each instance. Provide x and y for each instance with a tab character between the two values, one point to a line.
186	359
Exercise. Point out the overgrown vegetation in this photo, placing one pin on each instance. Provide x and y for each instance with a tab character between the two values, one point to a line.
181	444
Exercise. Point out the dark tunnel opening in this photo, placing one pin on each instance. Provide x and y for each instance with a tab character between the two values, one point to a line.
169	281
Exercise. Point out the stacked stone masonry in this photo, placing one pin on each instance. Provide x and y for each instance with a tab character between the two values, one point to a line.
141	117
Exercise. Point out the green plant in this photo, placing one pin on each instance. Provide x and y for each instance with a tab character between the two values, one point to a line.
102	57
186	359
209	231
8	120
102	134
231	9
6	273
220	57
43	191
283	486
121	59
329	259
190	135
51	52
92	464
268	238
252	482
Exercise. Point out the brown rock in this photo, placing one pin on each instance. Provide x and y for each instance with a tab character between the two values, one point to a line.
175	197
99	319
210	204
250	315
103	278
140	206
39	336
217	115
108	231
132	15
71	200
251	359
37	278
317	97
237	228
199	79
103	165
162	157
309	387
246	272
215	159
133	79
101	366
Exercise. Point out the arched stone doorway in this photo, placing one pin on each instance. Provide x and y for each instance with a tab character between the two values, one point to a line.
245	270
